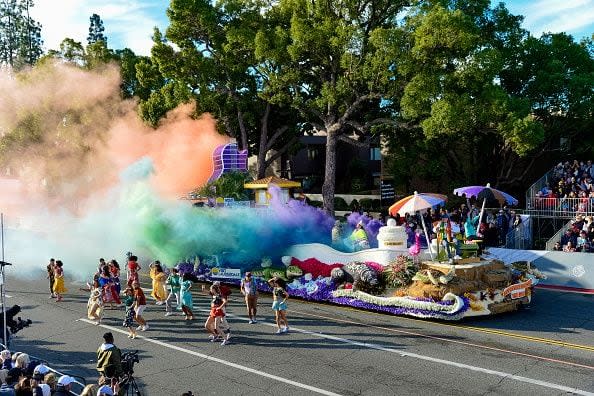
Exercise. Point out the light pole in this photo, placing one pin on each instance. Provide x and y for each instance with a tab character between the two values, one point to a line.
3	282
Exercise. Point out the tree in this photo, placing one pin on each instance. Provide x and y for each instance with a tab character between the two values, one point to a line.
213	63
96	30
457	55
336	64
20	35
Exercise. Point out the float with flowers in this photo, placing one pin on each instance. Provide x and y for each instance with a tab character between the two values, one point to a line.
447	281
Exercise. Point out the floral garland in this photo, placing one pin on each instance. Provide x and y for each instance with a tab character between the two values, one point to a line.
450	303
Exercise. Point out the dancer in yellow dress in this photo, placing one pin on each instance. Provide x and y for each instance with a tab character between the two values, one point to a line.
159	277
59	288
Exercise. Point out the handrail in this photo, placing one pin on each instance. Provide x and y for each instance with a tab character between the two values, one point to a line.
557	237
521	236
560	207
537	186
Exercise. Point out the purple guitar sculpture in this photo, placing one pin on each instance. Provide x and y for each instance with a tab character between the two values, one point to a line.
227	158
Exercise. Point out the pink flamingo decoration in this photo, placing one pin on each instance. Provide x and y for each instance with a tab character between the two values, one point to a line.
415	249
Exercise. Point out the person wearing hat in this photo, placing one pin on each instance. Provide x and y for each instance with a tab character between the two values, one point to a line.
105	391
12	377
359	238
64	386
249	289
38	380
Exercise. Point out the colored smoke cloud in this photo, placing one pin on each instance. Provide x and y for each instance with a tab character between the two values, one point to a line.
92	180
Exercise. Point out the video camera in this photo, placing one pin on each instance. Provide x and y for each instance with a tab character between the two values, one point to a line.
14	325
128	360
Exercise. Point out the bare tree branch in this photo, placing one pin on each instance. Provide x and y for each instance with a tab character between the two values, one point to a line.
281	151
278	133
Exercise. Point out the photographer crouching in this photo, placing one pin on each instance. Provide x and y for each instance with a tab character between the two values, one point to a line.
12	325
115	368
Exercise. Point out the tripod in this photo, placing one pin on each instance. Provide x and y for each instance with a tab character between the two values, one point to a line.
130	386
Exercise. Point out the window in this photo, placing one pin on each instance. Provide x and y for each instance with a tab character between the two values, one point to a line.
313	153
375	154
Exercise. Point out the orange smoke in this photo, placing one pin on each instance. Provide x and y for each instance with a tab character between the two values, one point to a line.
181	149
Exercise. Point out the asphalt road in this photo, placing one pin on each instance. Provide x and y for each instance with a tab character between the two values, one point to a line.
547	350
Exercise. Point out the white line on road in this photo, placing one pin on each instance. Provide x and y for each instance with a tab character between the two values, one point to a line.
430	359
221	361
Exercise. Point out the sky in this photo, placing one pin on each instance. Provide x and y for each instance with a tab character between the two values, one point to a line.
130	23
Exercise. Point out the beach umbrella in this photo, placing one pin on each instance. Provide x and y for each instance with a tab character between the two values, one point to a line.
418	203
486	193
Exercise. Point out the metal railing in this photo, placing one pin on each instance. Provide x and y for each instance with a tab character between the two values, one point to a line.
521	236
537	186
559	207
557	237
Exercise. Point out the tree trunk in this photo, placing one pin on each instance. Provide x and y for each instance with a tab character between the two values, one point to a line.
330	171
261	166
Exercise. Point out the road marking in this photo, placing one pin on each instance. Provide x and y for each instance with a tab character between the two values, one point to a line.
221	361
470	328
447	340
501	374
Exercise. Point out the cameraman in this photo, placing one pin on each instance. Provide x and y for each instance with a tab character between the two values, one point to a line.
109	358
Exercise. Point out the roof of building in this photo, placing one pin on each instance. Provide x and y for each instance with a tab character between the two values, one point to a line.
272	180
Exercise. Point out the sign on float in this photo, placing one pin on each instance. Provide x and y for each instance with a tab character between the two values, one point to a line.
225	273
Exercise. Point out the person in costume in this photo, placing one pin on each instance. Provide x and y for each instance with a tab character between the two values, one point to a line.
59	287
279	304
106	284
129	315
95	306
139	306
132	270
174	283
249	289
159	277
50	275
359	238
186	296
114	269
337	234
217	324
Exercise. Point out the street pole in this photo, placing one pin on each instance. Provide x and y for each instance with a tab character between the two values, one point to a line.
2	282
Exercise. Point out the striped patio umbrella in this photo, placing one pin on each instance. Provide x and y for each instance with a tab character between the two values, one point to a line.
418	203
486	193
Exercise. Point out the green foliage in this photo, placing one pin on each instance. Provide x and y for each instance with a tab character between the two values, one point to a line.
354	205
229	185
20	35
96	30
366	204
315	204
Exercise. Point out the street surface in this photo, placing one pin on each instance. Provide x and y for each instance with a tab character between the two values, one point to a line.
547	350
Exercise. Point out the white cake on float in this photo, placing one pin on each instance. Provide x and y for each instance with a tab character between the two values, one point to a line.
392	236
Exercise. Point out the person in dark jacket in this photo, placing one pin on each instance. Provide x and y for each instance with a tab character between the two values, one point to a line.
109	358
64	386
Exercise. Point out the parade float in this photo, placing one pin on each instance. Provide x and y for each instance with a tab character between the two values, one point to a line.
393	278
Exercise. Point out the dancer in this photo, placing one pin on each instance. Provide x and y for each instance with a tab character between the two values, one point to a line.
139	305
186	296
132	270
50	275
217	324
159	277
279	305
107	285
95	306
173	281
249	289
129	316
114	269
59	287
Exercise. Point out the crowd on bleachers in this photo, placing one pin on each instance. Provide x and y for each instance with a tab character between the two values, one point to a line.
570	188
579	237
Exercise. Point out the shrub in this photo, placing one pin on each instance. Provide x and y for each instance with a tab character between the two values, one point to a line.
355	205
340	204
366	204
316	204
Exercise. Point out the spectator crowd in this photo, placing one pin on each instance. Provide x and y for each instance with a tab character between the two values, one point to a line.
570	188
579	237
